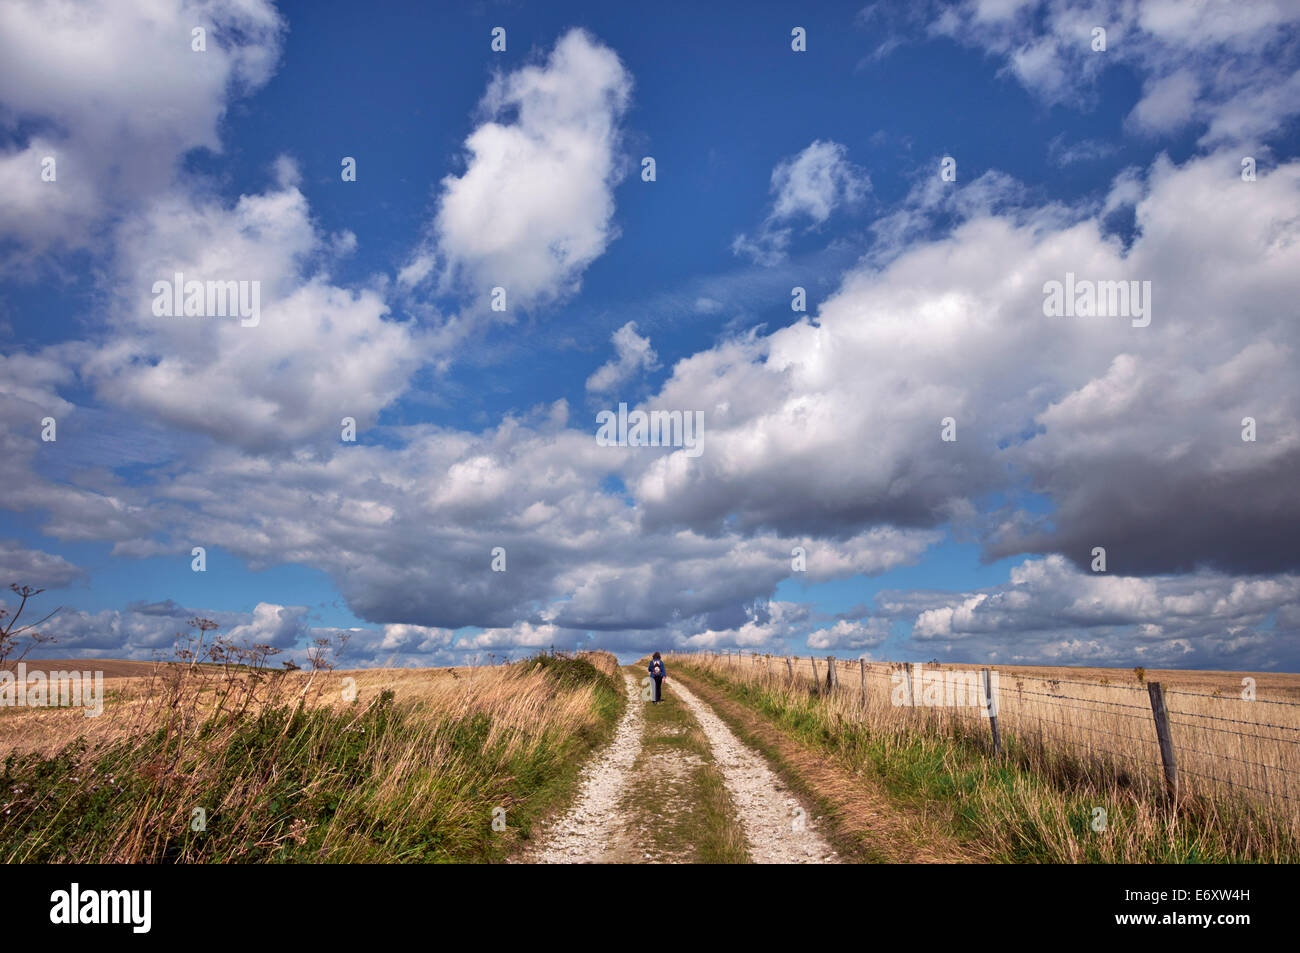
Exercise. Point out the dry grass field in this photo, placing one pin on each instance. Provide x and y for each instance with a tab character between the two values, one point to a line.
112	668
1088	732
1276	686
338	766
1104	715
134	691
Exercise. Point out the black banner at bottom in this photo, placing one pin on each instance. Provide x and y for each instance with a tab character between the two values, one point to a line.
146	904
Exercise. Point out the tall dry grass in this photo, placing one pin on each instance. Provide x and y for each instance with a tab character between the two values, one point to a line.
236	761
604	662
1070	747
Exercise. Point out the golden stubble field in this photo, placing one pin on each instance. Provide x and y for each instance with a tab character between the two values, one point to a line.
1277	686
132	690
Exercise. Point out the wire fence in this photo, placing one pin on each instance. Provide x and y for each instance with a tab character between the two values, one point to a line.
1182	743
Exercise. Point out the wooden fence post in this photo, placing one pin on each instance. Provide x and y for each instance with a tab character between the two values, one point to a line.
907	685
789	667
816	678
991	708
1165	738
831	677
862	677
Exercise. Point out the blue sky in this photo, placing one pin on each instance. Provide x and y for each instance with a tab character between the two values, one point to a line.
775	169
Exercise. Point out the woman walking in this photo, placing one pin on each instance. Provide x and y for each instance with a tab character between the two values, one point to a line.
658	673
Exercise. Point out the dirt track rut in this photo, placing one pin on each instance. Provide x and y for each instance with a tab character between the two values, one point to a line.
777	827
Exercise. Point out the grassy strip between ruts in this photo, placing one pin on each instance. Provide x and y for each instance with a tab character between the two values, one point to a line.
382	779
852	811
678	804
996	809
